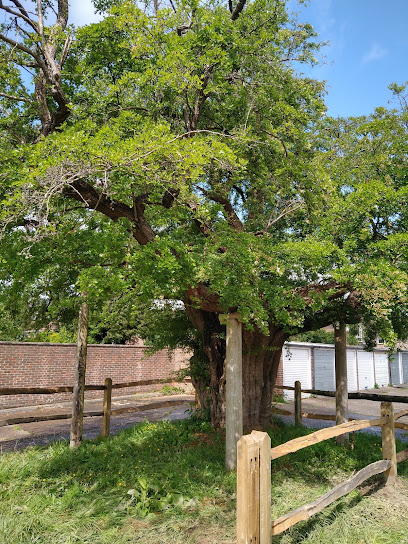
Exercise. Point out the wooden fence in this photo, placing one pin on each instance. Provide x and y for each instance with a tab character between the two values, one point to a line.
106	413
254	523
299	415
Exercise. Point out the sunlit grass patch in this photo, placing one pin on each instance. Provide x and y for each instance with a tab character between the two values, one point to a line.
165	482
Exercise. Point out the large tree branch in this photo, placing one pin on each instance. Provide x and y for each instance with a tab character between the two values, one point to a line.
48	82
232	217
65	51
339	291
82	191
22	14
17	98
20	6
40	20
22	47
62	17
15	136
192	119
237	10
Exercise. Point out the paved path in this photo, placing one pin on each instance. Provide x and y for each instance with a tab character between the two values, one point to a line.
41	433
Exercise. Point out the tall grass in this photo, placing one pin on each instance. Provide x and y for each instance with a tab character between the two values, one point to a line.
165	482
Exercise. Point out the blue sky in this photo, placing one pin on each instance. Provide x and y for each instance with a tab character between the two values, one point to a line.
368	49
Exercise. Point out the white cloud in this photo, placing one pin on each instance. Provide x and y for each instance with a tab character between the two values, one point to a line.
376	52
82	12
323	11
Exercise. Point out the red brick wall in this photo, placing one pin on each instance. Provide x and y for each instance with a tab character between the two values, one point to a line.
48	365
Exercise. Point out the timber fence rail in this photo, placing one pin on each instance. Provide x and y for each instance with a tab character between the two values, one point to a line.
106	413
255	454
299	414
360	396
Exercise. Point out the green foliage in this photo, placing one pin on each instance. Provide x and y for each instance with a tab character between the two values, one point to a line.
193	163
129	79
323	337
10	328
318	337
367	158
62	336
168	390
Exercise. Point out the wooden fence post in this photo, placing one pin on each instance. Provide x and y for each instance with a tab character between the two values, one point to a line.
340	355
79	385
233	401
388	441
254	489
298	403
107	401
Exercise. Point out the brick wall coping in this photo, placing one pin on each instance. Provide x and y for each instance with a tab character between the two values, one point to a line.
132	346
73	345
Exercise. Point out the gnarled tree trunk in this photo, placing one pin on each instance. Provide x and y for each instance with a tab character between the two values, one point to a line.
260	361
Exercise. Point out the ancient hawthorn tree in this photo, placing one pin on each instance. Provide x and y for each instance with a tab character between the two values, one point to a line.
171	153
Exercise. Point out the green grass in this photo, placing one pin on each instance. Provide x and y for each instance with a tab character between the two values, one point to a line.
165	483
171	390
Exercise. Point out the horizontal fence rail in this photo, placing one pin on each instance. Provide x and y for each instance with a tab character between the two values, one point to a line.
128	410
359	396
299	415
323	434
69	389
252	508
402	456
332	417
305	512
105	413
45	390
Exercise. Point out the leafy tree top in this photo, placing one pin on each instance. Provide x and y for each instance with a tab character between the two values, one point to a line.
172	152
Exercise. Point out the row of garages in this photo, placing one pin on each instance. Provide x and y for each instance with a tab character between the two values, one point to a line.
313	365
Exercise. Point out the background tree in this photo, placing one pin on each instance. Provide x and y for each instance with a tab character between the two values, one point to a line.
175	157
366	157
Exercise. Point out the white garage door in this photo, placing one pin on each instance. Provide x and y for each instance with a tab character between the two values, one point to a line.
381	369
395	369
365	370
297	366
351	370
324	370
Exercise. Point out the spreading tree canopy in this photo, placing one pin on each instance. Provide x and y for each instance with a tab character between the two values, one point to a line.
172	152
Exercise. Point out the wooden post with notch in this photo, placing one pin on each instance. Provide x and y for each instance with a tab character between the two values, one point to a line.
388	441
107	402
79	385
298	403
254	489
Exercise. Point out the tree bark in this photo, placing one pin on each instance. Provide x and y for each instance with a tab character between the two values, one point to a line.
79	385
260	362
